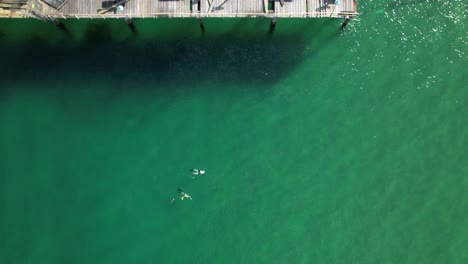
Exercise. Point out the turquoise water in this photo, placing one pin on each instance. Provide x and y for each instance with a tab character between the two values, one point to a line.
319	146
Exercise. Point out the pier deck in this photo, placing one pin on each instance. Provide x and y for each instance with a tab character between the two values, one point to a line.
50	9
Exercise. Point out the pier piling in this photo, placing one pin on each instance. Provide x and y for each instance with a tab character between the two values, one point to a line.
131	25
345	23
202	25
59	24
273	25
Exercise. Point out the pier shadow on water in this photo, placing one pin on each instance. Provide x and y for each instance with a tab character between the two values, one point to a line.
165	53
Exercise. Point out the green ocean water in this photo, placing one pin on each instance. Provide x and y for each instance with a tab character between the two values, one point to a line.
319	146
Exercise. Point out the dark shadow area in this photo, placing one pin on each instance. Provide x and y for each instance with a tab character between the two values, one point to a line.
202	26
223	59
61	26
272	28
108	4
324	7
97	67
131	26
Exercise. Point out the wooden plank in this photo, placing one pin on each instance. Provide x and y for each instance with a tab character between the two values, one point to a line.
66	7
291	9
223	6
156	5
187	6
312	6
252	7
348	5
195	4
132	7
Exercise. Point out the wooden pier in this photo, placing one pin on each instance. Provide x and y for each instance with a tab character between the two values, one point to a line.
127	9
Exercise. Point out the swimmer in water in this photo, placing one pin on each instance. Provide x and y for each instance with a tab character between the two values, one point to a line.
196	172
172	201
184	195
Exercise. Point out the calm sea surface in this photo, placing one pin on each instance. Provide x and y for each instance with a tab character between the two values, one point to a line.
319	146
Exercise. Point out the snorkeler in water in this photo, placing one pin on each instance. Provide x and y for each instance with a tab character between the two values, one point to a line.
196	172
184	195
